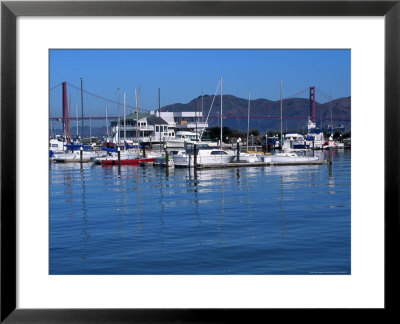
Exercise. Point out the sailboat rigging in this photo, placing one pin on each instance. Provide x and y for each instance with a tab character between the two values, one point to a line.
248	124
107	122
221	115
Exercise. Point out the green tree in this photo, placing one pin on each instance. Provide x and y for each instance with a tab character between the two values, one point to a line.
254	132
215	133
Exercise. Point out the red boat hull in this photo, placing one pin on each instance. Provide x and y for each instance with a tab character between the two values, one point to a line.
128	162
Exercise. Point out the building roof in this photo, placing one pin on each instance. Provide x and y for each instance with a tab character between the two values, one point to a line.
154	120
133	116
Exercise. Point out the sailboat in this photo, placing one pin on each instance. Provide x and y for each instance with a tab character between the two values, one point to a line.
127	157
206	155
246	156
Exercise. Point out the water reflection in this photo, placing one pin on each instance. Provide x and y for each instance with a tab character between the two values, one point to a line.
238	176
162	211
236	220
68	187
282	210
222	216
249	206
331	180
283	220
85	235
139	221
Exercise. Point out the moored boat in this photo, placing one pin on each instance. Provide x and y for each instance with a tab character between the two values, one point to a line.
73	154
74	157
126	158
330	143
137	161
205	156
161	160
315	136
291	158
294	141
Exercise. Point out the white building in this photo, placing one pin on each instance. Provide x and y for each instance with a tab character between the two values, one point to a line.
156	127
149	128
183	120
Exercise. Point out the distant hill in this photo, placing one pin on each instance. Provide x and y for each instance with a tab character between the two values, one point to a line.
296	111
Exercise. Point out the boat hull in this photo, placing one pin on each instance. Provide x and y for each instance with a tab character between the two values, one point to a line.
73	157
127	161
292	158
188	160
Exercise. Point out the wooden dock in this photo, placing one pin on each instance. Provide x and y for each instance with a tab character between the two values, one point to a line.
258	164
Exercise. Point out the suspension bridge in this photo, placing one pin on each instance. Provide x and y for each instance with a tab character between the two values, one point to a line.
74	104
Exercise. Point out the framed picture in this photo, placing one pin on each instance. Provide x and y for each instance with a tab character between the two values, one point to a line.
233	33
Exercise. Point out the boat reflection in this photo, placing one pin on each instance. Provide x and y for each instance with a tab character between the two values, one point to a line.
84	234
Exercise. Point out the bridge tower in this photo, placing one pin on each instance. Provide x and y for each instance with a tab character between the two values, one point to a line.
312	104
65	109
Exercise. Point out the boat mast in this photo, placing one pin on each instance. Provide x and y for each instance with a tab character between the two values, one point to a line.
77	123
159	109
137	117
124	118
159	115
248	124
209	111
107	121
330	104
69	119
90	125
202	106
281	118
221	115
195	115
137	114
119	119
51	126
82	106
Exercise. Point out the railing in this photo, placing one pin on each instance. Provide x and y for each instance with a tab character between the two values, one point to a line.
130	128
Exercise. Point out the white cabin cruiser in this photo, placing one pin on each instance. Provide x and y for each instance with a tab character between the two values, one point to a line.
56	146
315	136
182	137
294	141
206	155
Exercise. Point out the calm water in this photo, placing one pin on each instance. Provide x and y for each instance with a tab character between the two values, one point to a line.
259	220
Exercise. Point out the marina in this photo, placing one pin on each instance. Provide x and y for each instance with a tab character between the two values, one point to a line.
222	184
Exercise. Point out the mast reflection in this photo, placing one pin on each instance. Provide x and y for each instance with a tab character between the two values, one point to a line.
84	233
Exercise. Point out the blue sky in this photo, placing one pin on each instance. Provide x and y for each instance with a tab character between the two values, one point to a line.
183	74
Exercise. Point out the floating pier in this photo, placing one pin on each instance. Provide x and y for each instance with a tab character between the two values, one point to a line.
258	164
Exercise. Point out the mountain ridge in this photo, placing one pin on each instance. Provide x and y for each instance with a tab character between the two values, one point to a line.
265	113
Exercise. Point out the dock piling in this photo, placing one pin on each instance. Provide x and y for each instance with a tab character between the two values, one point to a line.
166	156
195	156
119	159
81	155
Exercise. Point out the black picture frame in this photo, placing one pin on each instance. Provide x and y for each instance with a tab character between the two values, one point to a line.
10	10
